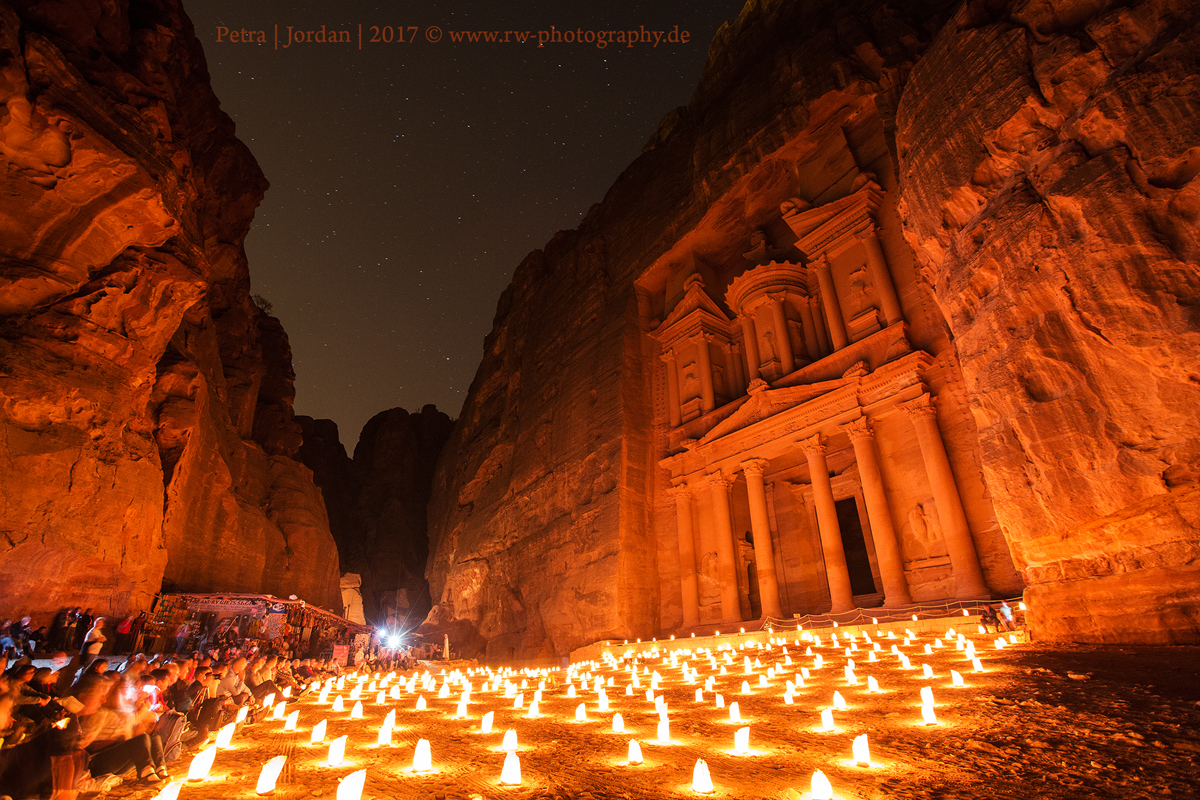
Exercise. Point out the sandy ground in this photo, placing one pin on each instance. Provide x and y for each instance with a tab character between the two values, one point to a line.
1038	722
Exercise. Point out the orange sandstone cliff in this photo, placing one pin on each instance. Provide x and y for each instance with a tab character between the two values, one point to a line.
146	431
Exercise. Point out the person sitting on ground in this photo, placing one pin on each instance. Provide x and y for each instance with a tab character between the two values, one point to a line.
987	617
111	736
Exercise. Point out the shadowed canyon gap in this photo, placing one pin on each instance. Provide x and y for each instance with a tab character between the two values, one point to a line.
901	306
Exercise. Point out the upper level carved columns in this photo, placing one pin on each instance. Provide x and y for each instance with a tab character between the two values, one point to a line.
720	484
764	552
750	338
812	345
833	311
840	596
881	276
687	554
782	336
670	360
708	400
887	548
964	561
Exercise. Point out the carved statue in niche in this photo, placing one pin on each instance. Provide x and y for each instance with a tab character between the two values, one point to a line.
767	347
690	382
718	376
710	586
857	298
925	532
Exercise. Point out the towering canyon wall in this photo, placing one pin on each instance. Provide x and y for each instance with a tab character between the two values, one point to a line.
377	504
146	431
1049	157
1035	162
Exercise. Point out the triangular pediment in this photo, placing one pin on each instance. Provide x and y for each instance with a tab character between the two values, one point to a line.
769	402
695	302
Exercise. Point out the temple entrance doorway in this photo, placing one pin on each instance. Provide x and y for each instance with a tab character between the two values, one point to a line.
858	562
755	597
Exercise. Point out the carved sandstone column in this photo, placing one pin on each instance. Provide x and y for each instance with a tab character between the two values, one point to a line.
840	596
964	561
750	339
672	387
833	312
887	549
812	345
786	356
687	554
733	377
764	553
708	400
881	276
731	610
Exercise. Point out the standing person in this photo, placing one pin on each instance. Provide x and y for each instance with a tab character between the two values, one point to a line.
1006	616
83	624
181	635
123	629
93	642
57	626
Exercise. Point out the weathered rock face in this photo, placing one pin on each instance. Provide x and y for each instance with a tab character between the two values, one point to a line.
145	402
1049	157
377	504
1038	162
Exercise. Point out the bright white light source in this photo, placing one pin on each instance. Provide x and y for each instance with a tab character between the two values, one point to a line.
422	757
701	780
510	775
635	752
270	774
862	751
822	789
337	752
741	741
202	763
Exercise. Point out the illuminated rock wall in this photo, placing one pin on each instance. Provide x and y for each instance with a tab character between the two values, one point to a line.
1049	159
146	432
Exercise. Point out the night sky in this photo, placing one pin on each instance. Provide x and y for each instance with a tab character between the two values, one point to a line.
409	179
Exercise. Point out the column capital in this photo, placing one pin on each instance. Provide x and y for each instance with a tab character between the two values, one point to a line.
679	490
668	355
720	479
703	336
821	263
923	405
755	466
859	429
813	445
777	295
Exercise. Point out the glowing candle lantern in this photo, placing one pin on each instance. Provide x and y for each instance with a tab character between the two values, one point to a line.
170	791
723	670
225	736
324	696
926	695
862	751
290	723
581	712
827	720
461	711
444	692
338	705
270	774
664	731
241	715
337	751
202	763
602	702
629	691
618	724
318	733
741	741
510	741
872	685
956	678
820	788
927	671
571	690
977	664
532	713
510	775
699	695
927	715
356	693
421	705
804	673
287	692
356	712
851	678
839	702
280	711
394	692
485	726
385	730
788	698
519	701
818	661
422	757
735	712
720	701
871	655
269	700
701	780
380	698
635	752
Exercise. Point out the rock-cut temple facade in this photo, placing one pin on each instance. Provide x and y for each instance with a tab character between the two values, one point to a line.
816	451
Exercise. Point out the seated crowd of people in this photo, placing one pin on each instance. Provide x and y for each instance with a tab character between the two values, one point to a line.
80	725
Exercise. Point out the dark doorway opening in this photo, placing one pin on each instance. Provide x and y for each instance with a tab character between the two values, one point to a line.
858	563
754	596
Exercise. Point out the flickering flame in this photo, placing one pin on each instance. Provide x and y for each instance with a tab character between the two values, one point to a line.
862	751
741	741
635	752
292	719
701	780
337	751
510	741
422	757
821	788
270	774
827	720
510	775
202	763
